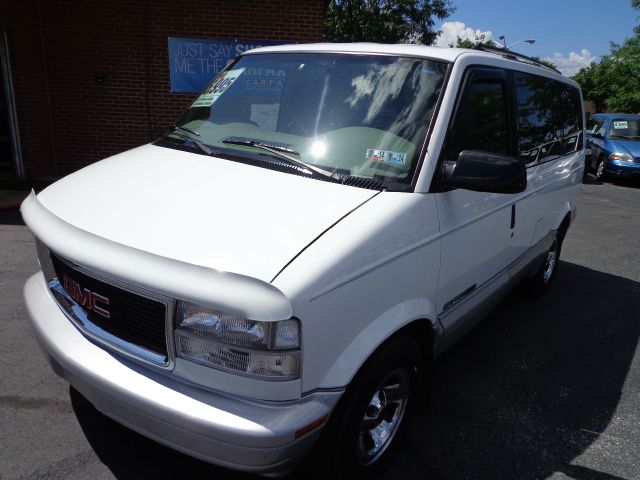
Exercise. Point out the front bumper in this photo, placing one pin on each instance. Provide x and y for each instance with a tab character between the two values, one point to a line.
623	169
246	435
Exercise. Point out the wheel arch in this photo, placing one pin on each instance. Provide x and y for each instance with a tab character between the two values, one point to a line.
564	226
422	330
563	220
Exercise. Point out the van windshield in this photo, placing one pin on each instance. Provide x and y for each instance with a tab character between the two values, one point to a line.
351	115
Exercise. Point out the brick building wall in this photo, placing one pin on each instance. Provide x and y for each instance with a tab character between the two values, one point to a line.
21	21
98	71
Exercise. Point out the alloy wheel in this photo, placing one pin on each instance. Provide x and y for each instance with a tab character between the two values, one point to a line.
550	263
383	416
600	170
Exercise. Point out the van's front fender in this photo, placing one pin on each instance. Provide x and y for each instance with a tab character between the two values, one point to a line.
375	334
364	279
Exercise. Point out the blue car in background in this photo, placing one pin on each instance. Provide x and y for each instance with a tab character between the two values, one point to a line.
614	141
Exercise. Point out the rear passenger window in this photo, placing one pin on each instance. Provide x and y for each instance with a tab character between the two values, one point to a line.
594	125
481	122
549	118
571	112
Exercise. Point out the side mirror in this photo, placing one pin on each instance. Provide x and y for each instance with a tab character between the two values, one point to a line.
485	172
595	135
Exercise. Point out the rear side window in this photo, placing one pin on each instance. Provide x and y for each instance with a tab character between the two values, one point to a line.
549	118
594	125
481	122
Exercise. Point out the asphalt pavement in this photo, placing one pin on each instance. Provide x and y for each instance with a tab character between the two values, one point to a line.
542	388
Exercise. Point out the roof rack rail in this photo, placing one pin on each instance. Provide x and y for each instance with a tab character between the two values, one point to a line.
513	55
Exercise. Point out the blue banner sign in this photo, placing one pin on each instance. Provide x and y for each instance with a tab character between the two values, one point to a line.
193	62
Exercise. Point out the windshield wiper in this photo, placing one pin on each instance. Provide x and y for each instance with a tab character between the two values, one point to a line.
189	135
281	152
251	142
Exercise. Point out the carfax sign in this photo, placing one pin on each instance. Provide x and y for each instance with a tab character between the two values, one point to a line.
193	62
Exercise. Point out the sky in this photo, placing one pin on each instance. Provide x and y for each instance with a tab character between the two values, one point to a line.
570	33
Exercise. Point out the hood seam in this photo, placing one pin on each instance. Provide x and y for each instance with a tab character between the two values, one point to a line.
321	234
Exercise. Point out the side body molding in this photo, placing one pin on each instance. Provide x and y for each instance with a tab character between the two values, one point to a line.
231	292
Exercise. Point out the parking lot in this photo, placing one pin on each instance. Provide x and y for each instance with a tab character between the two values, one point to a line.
543	388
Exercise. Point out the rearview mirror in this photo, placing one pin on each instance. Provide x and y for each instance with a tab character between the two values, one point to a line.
485	172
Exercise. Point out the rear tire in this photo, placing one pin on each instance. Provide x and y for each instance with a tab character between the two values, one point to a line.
538	284
371	417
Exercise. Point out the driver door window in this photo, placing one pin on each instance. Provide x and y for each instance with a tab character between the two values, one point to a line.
481	122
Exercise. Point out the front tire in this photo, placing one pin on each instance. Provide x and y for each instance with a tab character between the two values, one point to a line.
601	170
372	416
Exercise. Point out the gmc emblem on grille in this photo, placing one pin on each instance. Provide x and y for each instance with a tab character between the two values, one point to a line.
85	297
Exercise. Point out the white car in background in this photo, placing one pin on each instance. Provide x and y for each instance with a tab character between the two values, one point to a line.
279	270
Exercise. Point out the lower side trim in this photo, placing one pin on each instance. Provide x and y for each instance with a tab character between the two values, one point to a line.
469	310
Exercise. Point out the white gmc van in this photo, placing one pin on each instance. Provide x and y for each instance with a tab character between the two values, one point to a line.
280	268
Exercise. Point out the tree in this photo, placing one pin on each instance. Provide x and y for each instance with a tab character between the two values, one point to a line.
545	62
468	43
614	83
385	21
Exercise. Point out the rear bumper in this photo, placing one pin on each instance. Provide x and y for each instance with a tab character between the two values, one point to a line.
246	435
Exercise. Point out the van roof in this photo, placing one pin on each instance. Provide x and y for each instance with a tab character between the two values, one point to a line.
437	53
448	54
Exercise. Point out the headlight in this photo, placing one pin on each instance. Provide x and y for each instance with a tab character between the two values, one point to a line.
621	156
267	350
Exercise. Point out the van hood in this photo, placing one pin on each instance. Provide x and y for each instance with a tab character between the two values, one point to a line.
201	210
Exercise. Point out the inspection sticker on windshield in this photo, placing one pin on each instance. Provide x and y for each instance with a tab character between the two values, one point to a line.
392	157
217	88
620	125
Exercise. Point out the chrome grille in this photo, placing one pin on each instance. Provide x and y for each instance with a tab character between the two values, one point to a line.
120	317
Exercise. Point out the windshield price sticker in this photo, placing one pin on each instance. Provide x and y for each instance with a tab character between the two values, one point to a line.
220	85
391	157
620	125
